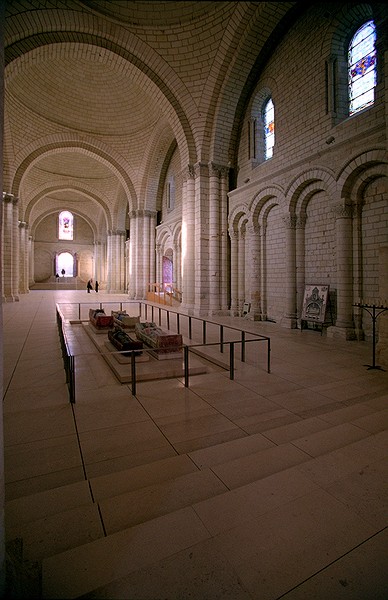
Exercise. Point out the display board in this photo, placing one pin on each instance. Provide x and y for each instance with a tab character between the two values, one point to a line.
315	303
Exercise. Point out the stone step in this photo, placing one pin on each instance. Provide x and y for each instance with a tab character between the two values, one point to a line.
124	499
104	563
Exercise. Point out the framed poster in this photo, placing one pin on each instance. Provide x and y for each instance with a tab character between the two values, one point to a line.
314	303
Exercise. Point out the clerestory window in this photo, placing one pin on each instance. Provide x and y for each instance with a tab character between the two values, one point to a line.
362	68
65	225
269	128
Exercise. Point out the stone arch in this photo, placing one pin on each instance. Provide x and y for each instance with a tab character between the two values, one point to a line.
56	144
79	213
161	148
87	192
261	199
340	30
315	179
241	72
236	217
156	76
356	170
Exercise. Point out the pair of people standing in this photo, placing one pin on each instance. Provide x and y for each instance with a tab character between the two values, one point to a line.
89	286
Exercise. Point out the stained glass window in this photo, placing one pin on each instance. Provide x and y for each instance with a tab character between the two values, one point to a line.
65	225
269	128
362	68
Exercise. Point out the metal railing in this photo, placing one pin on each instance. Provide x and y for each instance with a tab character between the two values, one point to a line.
145	310
68	358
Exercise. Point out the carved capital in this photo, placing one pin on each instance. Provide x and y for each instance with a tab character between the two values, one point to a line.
290	221
220	171
342	210
253	229
8	197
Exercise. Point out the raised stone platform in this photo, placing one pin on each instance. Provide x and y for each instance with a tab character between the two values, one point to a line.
146	369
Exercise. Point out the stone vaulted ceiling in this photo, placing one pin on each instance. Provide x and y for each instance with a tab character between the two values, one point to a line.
97	91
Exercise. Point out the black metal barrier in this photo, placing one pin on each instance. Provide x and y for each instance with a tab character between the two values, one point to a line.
144	307
68	358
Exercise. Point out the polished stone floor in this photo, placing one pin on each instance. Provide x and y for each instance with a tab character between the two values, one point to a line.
267	486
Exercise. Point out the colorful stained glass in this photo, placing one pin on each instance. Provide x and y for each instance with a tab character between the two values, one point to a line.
65	225
269	128
362	68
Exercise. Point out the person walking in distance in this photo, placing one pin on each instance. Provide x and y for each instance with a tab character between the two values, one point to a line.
96	287
89	286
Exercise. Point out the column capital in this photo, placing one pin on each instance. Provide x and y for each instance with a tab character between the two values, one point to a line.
220	171
140	213
253	229
188	172
201	168
7	197
342	210
290	221
233	235
23	225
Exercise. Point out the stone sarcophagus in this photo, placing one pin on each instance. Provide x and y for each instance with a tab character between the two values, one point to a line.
123	342
161	342
99	319
123	320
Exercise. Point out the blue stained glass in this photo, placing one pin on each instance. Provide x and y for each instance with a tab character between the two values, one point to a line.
269	128
362	68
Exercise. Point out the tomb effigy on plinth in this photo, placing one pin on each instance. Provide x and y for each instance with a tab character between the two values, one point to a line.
123	320
162	345
124	343
99	320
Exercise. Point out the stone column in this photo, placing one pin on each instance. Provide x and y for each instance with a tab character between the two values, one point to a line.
255	271
382	345
142	244
344	326
289	316
23	257
234	272
218	239
241	270
151	274
263	263
15	249
188	240
127	262
7	247
99	262
177	268
300	262
159	263
214	239
116	241
252	125
224	244
31	258
201	240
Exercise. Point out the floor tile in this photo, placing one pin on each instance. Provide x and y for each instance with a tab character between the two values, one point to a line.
273	553
233	449
259	465
141	476
362	574
138	506
77	571
197	573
